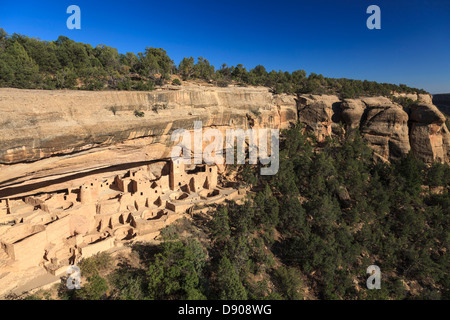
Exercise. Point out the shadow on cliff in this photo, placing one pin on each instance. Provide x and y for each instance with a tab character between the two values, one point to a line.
11	191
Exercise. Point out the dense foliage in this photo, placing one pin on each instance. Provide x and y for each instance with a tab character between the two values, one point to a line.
357	213
30	63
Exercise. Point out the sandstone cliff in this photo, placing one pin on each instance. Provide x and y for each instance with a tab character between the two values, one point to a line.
49	138
391	130
52	140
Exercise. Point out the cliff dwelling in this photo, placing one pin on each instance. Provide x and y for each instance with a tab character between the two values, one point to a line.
54	230
78	181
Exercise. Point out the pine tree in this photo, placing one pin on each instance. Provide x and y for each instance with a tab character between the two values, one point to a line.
25	71
228	283
220	229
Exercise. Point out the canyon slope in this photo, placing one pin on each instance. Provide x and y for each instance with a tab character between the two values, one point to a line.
53	140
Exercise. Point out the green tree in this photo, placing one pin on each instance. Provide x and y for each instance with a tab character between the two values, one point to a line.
219	227
228	284
436	175
65	78
410	169
186	68
203	69
155	61
289	283
129	284
95	289
266	208
20	70
175	273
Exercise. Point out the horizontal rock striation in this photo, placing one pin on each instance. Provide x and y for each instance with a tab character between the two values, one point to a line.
48	138
53	140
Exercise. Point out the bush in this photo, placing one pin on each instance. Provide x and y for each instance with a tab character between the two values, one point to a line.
256	112
176	82
144	86
91	266
113	109
222	83
404	101
289	283
95	289
139	114
156	107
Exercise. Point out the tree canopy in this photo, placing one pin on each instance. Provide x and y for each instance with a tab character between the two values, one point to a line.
65	64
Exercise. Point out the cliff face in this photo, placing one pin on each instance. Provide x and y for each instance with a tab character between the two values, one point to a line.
48	138
52	140
391	130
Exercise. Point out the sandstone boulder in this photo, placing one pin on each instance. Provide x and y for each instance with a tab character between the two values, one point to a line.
391	130
429	134
385	126
319	113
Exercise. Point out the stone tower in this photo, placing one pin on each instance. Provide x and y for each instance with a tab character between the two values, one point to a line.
177	174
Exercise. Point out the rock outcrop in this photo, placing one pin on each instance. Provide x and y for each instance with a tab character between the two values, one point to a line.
419	97
391	130
49	138
429	136
319	113
85	172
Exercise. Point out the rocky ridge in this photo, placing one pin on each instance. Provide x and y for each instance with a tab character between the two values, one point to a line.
51	140
390	129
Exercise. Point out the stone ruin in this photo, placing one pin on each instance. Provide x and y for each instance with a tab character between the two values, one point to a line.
54	230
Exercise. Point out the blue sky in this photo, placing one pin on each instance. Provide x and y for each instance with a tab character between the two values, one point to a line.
325	37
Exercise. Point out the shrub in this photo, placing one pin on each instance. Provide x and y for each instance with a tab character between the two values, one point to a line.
176	82
92	265
144	86
289	283
156	107
177	271
95	289
113	109
404	101
139	114
222	83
